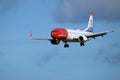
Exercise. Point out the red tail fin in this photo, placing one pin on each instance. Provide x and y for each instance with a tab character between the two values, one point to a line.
91	13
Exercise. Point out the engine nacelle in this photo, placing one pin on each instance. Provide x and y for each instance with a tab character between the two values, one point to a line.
55	42
83	38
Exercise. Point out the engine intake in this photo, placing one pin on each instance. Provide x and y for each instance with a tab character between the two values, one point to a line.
83	38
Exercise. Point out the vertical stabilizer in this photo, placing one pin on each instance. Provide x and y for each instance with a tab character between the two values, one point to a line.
90	23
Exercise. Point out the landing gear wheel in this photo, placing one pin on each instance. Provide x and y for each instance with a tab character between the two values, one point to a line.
66	45
82	44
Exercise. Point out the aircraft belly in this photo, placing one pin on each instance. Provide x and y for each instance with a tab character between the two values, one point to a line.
76	40
68	40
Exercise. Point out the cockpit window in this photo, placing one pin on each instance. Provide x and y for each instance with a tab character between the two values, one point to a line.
54	30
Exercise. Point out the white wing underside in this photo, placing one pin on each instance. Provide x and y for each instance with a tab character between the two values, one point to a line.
99	34
40	38
32	38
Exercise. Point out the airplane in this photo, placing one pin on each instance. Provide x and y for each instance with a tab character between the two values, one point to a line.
70	35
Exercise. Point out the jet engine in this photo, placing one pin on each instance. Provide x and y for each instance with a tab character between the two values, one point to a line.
83	38
55	42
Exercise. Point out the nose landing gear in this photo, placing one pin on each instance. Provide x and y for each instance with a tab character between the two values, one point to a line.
66	45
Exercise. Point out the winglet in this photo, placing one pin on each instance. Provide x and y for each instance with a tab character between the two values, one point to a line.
30	35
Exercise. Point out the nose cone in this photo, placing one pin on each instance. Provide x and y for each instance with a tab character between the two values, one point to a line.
59	33
53	34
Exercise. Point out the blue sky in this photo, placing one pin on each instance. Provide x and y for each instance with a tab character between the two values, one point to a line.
22	58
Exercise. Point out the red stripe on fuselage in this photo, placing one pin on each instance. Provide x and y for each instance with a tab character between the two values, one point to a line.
59	33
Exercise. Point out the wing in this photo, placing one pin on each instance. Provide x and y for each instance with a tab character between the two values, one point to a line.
38	38
100	33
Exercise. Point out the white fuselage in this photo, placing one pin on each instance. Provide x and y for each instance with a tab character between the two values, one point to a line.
75	34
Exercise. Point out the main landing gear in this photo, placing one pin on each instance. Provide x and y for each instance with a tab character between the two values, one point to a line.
67	45
82	44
